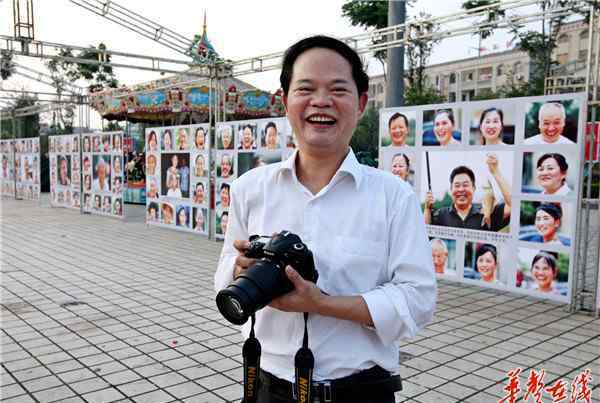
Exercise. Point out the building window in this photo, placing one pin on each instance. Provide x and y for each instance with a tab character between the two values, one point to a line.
379	88
564	38
452	97
584	34
517	67
500	70
452	78
563	58
583	55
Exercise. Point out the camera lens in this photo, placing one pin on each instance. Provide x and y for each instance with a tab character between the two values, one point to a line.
231	308
251	291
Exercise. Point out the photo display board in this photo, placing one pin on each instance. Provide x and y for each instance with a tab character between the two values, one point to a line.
7	179
27	167
177	177
65	171
499	185
102	173
241	146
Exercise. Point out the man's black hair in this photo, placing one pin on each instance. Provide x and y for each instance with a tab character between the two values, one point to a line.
320	41
396	116
462	170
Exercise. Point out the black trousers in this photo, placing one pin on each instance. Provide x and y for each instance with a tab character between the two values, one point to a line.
265	397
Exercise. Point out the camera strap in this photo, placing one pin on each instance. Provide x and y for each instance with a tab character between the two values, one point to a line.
251	355
305	363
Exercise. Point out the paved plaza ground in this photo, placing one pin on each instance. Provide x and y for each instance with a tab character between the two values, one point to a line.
99	310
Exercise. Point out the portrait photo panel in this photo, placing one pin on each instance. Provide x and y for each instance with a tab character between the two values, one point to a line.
246	136
551	173
442	127
226	136
200	137
547	222
476	182
271	134
487	263
250	160
552	122
493	124
398	128
443	253
401	162
543	272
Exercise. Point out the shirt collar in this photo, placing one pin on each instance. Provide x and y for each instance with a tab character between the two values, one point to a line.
350	165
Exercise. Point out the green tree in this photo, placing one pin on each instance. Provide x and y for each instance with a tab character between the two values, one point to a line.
368	14
364	141
24	126
418	90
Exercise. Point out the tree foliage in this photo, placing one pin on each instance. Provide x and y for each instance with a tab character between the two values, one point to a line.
7	66
24	126
364	141
491	20
422	41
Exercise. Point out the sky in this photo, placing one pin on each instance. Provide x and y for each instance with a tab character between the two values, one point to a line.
237	29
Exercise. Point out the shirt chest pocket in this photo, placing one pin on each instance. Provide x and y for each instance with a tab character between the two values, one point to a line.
358	266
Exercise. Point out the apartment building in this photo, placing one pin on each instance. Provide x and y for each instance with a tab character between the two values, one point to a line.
461	80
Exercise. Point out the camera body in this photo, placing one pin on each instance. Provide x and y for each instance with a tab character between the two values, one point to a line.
265	280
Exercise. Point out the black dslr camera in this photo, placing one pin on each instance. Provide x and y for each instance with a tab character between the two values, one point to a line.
266	279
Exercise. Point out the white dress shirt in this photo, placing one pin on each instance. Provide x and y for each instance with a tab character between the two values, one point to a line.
368	238
539	139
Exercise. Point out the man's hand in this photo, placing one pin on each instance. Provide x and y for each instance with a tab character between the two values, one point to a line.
241	261
492	163
305	297
429	200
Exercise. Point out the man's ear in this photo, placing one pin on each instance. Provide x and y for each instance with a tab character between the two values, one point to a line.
362	103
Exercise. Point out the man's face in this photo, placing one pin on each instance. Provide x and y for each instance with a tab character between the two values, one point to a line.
225	166
552	124
153	189
101	171
86	165
462	191
247	138
226	139
271	138
440	256
398	131
323	105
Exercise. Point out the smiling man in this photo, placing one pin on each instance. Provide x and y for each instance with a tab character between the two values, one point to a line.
364	226
551	122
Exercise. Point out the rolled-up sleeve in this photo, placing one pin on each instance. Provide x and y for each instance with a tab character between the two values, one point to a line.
401	307
237	228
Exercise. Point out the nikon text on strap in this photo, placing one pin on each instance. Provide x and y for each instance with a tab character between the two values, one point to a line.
305	363
251	355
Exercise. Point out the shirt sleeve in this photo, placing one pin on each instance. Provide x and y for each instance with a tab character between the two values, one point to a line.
237	228
405	304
